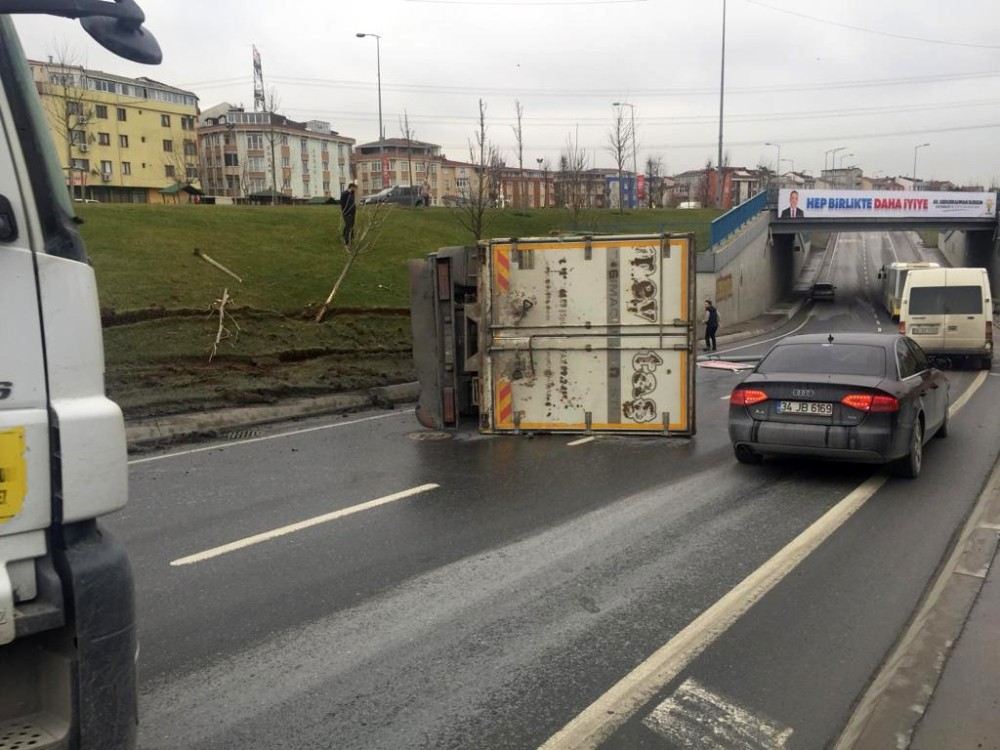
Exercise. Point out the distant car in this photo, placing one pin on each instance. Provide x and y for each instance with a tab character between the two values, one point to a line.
866	398
399	195
689	204
822	290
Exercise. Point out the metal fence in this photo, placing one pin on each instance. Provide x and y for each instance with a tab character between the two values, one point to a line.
733	219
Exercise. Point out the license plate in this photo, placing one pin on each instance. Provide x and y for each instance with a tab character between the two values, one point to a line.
924	330
808	408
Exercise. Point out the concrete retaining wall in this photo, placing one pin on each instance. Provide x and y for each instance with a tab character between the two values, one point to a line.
972	250
748	274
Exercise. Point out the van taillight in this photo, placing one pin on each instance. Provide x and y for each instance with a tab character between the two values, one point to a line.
747	397
902	327
989	331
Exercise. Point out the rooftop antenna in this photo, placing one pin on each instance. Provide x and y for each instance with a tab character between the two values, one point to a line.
259	99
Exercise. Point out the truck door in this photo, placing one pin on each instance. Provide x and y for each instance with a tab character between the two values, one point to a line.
25	504
589	335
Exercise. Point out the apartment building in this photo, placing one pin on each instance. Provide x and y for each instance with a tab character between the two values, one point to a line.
397	161
257	156
119	139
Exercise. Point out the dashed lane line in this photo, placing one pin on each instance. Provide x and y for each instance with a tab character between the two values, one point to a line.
266	536
581	441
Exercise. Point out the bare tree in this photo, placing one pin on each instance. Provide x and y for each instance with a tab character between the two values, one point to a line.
271	105
370	222
519	139
67	107
654	180
408	134
476	196
620	145
573	165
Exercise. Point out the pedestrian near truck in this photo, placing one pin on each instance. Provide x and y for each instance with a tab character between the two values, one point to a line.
349	209
711	326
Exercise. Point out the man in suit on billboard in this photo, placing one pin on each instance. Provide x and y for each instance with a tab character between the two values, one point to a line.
793	211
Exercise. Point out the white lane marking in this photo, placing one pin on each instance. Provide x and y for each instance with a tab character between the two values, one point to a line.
694	712
602	717
990	526
581	441
599	720
767	341
300	525
969	393
892	247
247	441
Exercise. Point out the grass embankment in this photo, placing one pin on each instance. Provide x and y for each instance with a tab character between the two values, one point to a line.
156	295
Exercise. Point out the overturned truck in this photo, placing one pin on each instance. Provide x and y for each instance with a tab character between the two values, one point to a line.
576	335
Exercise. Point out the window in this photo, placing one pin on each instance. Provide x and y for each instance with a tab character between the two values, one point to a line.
231	160
168	146
122	114
326	186
104	139
376	181
192	172
101	112
187	123
74	108
107	86
392	165
918	354
165	121
255	141
907	362
78	137
284	139
190	148
106	168
81	165
825	359
286	162
950	300
325	147
123	141
255	163
126	167
170	171
376	166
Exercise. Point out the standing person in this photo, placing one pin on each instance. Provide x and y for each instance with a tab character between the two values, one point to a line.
711	325
349	209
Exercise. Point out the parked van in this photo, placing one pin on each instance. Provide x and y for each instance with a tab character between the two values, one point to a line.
949	312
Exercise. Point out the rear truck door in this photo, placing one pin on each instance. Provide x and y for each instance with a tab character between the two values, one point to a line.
588	335
25	495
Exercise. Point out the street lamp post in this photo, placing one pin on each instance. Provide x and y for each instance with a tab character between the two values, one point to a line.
722	99
915	150
378	60
832	156
777	166
790	161
841	167
635	161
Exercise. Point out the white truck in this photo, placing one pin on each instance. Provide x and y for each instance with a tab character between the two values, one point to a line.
67	617
572	334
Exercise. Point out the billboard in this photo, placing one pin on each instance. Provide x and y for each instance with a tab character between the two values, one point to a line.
885	204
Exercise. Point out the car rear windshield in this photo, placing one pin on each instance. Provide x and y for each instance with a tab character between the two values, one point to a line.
825	359
946	300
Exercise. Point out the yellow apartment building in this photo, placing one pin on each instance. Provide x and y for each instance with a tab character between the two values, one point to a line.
121	140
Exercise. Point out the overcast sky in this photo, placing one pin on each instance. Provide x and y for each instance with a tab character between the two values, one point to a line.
791	79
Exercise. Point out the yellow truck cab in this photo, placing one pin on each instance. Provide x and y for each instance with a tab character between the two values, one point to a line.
67	617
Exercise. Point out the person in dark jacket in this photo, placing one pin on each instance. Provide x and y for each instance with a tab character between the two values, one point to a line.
711	325
349	209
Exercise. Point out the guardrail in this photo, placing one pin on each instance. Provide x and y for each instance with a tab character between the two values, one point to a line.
732	220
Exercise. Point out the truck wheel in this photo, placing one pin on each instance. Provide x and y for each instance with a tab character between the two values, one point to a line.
909	466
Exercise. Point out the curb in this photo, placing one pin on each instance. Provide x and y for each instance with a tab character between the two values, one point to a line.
894	704
735	338
146	433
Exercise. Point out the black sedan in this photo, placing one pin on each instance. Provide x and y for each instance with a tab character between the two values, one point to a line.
851	397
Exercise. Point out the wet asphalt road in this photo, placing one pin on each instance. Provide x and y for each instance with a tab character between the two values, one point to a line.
490	611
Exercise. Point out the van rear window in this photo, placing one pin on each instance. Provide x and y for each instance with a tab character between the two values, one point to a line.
946	300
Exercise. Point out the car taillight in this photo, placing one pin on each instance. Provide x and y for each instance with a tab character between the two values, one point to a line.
902	327
747	397
874	403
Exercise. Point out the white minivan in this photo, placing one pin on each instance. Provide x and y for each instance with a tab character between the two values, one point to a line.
949	312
